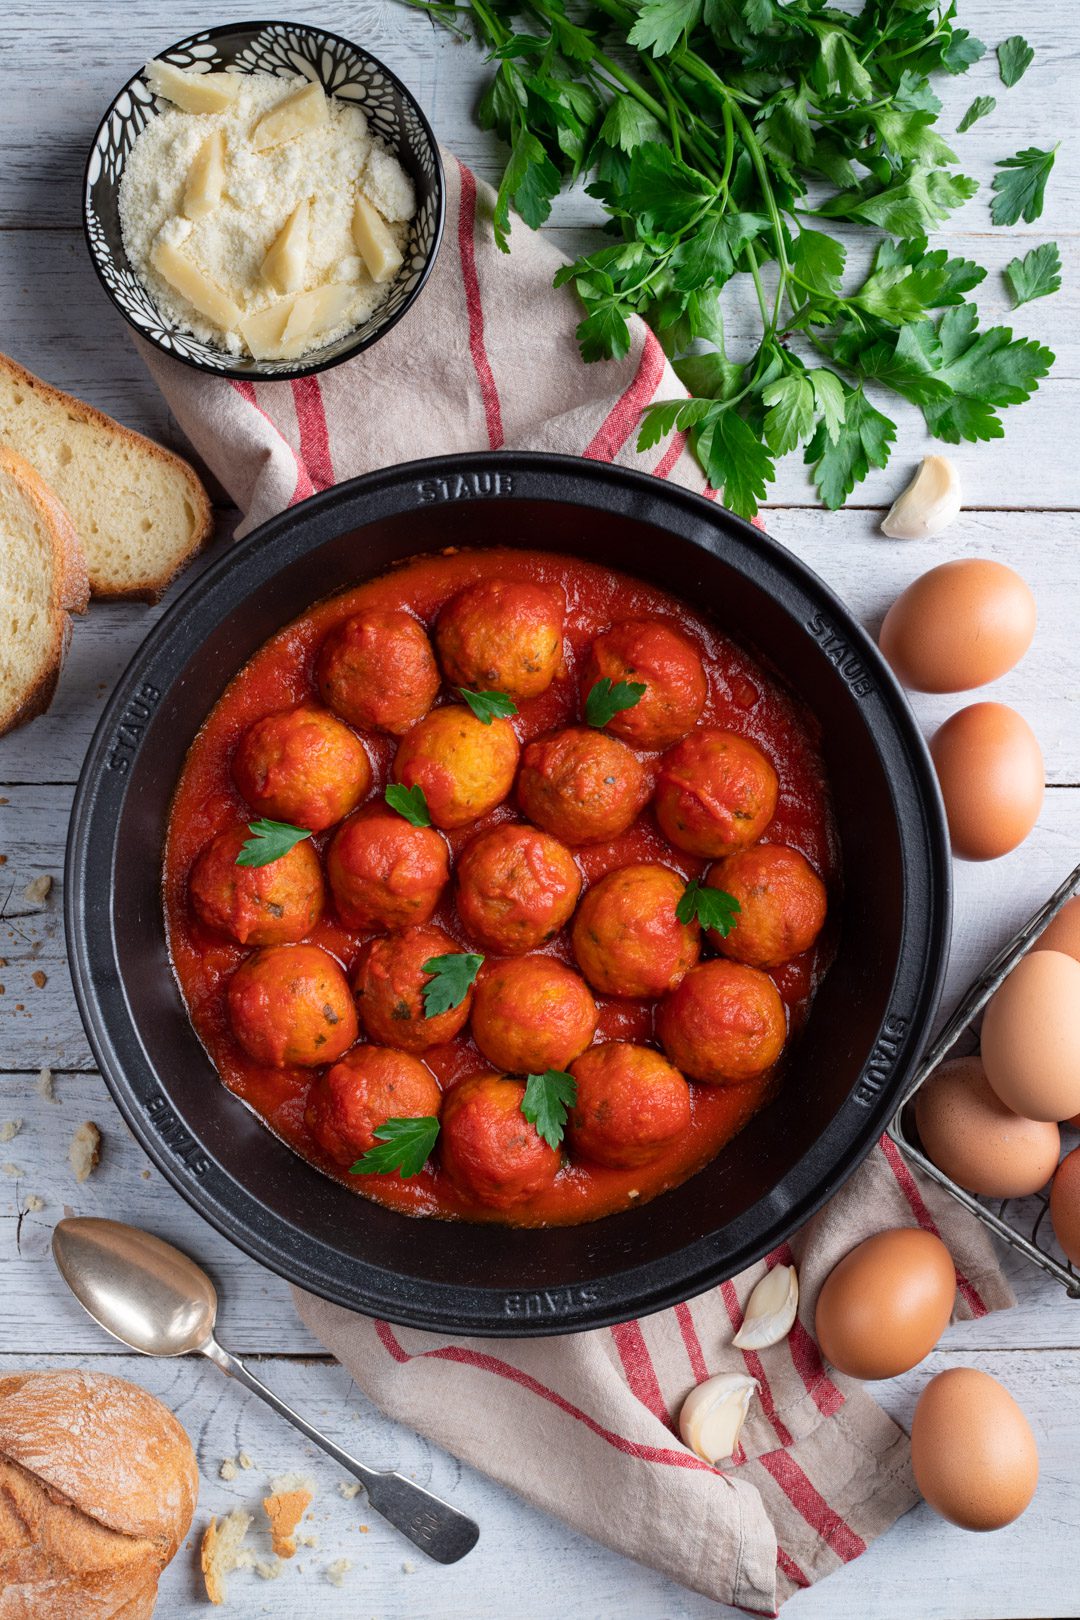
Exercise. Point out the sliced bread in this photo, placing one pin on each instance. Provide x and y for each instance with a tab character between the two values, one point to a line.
42	582
140	512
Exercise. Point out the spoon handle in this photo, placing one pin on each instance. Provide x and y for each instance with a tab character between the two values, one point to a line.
429	1523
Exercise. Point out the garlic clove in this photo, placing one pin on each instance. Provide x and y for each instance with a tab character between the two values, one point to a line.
713	1414
929	504
770	1310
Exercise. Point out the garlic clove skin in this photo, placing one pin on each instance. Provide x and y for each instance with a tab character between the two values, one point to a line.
929	504
770	1310
713	1415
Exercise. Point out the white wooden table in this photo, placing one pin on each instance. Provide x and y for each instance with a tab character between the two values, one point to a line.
64	58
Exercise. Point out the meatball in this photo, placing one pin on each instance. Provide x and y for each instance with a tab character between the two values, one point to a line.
355	1098
781	904
377	670
290	1004
516	888
724	1023
303	766
465	767
651	651
531	1013
257	905
716	793
581	785
631	1104
385	873
388	982
499	635
626	936
489	1149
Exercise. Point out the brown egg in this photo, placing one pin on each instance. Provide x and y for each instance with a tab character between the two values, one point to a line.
967	1131
959	626
972	1450
1031	1037
887	1303
1065	1205
990	769
1063	934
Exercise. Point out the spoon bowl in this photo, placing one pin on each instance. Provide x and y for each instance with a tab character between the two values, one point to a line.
140	1289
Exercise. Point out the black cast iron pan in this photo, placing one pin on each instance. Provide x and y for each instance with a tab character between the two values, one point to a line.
868	1022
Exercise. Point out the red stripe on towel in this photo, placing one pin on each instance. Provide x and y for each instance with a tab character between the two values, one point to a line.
698	1365
917	1204
489	394
304	487
638	1366
806	1497
314	434
625	413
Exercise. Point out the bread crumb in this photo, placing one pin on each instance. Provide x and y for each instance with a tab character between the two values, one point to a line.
146	1175
242	1457
10	1169
364	1529
39	978
308	1540
33	1205
222	1551
9	1129
268	1569
407	1566
45	1087
227	1469
349	1488
84	1150
37	890
285	1508
337	1571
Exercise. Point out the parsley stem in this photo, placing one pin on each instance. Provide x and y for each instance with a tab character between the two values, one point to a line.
664	87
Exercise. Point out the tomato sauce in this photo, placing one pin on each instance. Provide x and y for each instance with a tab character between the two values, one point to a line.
742	698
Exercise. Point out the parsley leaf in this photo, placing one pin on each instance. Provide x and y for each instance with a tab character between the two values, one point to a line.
452	977
409	802
790	417
978	109
530	181
735	461
1021	186
1036	275
548	1099
662	23
1014	56
487	706
864	441
403	1145
627	123
984	370
962	51
269	842
607	698
713	908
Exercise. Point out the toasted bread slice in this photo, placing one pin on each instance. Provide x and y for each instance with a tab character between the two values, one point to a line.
42	582
140	512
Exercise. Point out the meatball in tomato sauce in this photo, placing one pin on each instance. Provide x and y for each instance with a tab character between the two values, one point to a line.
355	1098
531	1013
303	766
503	635
290	1004
631	1105
666	663
516	887
464	767
715	793
581	785
489	1149
384	873
626	936
781	904
275	904
377	670
389	981
724	1023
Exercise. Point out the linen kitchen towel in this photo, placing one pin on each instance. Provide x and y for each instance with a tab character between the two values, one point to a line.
584	1426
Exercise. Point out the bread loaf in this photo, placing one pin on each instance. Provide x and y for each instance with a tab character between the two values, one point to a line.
98	1485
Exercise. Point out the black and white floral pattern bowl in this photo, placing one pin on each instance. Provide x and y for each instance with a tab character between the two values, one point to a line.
290	50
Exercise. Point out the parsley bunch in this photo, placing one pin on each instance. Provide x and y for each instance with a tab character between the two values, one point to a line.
724	138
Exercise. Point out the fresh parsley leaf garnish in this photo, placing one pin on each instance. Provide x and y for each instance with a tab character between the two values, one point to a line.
270	840
1021	186
713	908
409	802
607	698
1014	56
488	706
452	978
547	1101
1036	275
980	107
403	1145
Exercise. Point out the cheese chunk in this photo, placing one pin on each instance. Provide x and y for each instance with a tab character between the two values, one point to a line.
206	177
286	261
305	110
291	326
374	241
192	92
185	277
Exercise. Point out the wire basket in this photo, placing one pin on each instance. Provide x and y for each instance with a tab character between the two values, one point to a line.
1034	1240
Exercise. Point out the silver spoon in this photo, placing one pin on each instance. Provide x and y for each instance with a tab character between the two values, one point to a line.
156	1300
